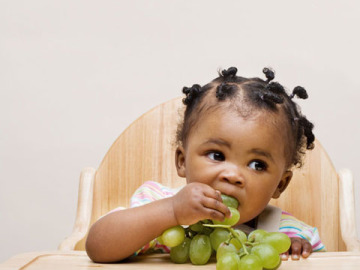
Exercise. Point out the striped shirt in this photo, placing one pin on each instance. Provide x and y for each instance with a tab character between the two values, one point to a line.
296	228
151	191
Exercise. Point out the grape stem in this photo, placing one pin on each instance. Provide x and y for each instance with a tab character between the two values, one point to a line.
217	226
233	232
252	243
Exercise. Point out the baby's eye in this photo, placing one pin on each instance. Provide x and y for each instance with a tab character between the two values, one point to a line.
215	155
258	165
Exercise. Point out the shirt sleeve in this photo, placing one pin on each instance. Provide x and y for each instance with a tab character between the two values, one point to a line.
293	227
148	192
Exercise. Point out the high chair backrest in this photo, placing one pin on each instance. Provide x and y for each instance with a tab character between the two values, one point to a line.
145	151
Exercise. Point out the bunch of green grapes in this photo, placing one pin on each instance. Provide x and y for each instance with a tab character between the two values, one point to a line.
259	250
234	249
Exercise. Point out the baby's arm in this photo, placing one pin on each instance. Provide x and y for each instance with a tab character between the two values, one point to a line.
118	235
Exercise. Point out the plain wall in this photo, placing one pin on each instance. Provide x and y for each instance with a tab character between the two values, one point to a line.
74	74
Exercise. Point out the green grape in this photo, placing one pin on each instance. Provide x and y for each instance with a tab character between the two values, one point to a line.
173	236
276	267
235	216
257	235
268	255
200	249
250	262
236	242
229	201
218	236
280	241
229	261
241	234
180	253
197	227
225	248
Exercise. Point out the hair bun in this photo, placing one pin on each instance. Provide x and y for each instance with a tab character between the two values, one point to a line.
191	93
300	92
269	73
229	73
276	88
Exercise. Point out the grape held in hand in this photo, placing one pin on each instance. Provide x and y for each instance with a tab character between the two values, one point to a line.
234	250
230	201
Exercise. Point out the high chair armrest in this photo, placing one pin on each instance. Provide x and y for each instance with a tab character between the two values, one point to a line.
347	210
84	208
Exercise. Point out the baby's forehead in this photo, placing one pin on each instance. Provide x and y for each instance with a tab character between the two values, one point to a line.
241	107
260	130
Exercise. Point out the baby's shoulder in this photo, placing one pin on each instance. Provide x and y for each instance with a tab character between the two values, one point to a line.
150	191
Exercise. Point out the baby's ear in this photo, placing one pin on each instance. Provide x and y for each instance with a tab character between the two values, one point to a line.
284	182
180	161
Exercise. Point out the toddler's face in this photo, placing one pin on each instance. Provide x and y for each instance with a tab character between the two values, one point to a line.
243	158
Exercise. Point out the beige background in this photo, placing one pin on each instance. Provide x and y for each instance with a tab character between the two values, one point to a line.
74	74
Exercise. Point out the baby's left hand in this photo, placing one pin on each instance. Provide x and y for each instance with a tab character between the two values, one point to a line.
299	246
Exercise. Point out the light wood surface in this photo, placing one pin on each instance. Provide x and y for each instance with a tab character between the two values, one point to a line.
145	151
83	213
76	260
347	210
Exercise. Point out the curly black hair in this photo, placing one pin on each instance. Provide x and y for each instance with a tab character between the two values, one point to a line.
253	94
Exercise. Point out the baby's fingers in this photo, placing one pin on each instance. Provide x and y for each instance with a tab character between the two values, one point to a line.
216	209
307	249
295	248
299	247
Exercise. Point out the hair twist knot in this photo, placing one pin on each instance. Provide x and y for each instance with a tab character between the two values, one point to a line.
269	73
275	88
229	73
191	93
300	92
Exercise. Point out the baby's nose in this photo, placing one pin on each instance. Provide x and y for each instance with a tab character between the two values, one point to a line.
233	176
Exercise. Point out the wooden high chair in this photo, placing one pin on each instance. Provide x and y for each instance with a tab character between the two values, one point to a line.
317	194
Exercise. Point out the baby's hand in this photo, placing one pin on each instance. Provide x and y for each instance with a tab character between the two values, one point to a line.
197	201
299	246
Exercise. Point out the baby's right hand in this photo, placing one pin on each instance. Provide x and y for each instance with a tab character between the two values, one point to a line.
197	201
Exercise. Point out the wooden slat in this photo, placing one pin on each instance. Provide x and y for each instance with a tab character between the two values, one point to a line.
144	151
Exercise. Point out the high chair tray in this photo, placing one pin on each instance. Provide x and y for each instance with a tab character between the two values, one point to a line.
76	260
